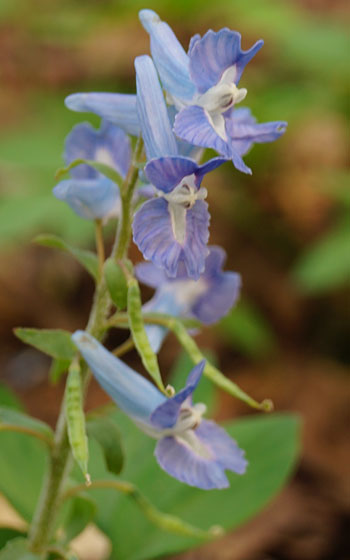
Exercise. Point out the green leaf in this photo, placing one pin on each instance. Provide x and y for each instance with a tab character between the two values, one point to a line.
271	444
326	265
76	419
8	398
54	342
103	168
116	283
17	549
81	512
106	433
7	535
86	258
12	420
57	369
248	331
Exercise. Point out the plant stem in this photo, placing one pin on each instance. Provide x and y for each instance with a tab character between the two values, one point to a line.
43	524
99	247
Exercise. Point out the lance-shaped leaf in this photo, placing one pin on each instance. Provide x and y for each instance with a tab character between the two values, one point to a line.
86	258
81	511
116	283
76	419
106	433
12	420
57	369
103	168
54	342
148	357
7	534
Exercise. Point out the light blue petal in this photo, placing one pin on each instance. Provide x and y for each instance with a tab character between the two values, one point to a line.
154	236
166	414
118	108
214	53
244	131
181	462
169	57
109	144
136	396
89	198
184	148
150	275
152	112
164	301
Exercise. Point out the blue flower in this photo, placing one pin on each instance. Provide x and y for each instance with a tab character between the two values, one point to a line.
173	228
207	299
202	85
88	192
193	450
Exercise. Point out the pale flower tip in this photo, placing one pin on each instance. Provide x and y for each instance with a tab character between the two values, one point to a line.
87	479
216	531
267	405
169	391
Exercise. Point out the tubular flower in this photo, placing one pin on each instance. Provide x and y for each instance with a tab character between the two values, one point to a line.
172	228
203	86
207	299
88	192
193	450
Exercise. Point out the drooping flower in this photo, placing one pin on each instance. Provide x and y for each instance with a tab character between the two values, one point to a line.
189	448
173	227
207	299
202	85
89	193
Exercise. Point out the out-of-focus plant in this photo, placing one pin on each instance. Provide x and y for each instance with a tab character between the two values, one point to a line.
155	191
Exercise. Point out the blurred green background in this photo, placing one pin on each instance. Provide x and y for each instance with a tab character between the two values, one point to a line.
286	229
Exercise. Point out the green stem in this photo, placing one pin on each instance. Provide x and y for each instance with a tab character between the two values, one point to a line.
99	247
43	524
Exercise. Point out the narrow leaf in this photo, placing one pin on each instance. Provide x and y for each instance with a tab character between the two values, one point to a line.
148	357
54	342
116	283
12	420
81	513
103	168
106	433
7	534
57	369
76	419
86	258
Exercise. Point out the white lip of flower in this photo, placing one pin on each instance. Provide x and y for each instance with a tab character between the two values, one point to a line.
189	419
102	155
180	199
216	100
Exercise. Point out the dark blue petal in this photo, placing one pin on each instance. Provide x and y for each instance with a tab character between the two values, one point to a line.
152	112
193	125
166	414
118	108
136	396
89	198
169	56
176	457
215	53
167	172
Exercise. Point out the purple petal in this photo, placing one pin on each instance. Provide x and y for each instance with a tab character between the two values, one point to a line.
193	125
153	234
167	172
170	58
89	198
152	112
166	414
223	447
150	275
117	108
176	457
193	41
244	132
207	167
215	53
219	299
81	144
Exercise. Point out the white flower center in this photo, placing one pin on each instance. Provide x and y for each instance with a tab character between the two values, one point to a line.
103	155
181	199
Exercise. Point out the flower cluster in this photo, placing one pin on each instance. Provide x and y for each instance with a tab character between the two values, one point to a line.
171	227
